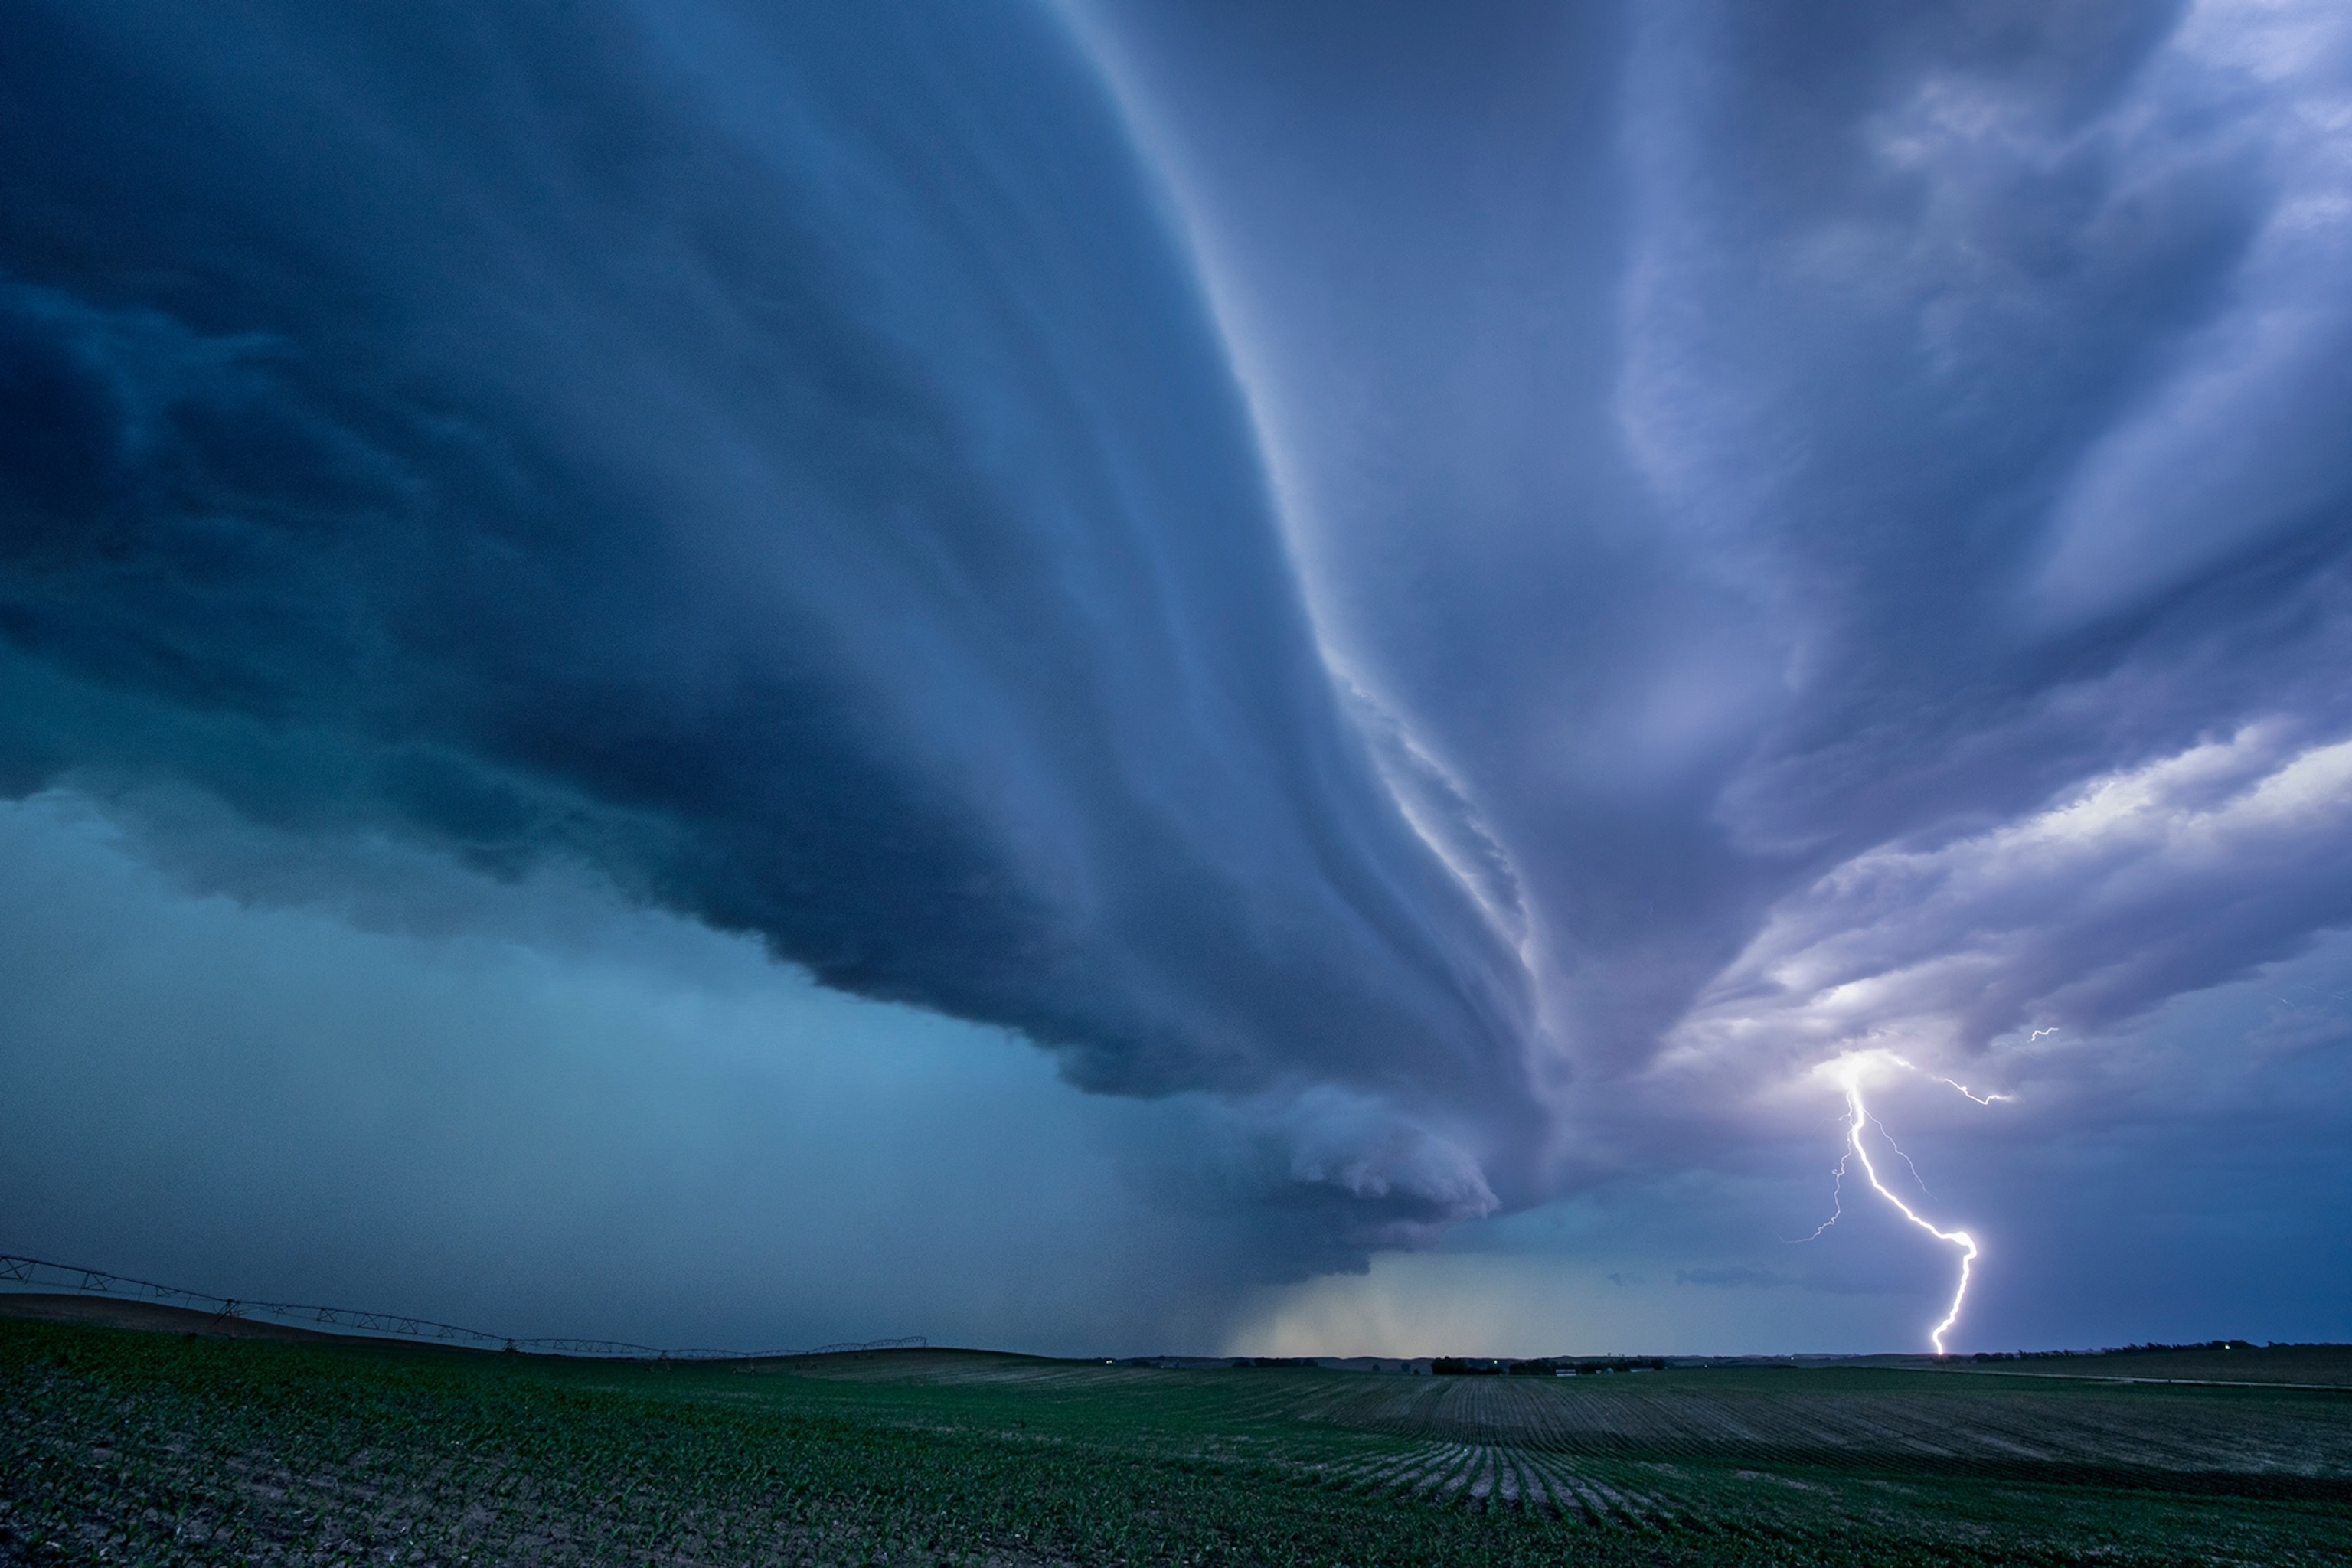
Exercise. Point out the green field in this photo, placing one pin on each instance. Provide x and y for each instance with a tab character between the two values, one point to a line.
118	1446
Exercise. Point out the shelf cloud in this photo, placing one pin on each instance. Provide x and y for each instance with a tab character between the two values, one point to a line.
782	461
1465	597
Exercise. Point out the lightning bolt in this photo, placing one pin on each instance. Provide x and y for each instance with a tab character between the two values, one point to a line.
1964	1088
1837	1197
1886	1132
1847	1072
1980	1099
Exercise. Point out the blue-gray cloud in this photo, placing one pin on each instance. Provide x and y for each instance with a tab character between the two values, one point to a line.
781	459
1854	498
1751	482
524	1106
1482	591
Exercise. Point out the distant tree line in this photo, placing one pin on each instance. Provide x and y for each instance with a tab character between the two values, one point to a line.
1543	1366
2113	1350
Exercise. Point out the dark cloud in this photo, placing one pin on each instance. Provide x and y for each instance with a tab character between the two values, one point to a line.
1847	511
1829	372
1484	593
780	458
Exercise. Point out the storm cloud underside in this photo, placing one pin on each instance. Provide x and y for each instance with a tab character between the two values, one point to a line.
1474	593
782	461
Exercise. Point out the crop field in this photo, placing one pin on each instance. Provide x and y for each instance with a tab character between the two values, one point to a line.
124	1447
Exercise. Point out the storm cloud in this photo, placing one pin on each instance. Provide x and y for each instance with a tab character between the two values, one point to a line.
780	460
1777	509
1456	599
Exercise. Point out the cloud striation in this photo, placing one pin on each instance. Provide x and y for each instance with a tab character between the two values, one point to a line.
1480	591
779	457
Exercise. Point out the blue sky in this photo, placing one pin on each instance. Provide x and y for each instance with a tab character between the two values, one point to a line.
1124	676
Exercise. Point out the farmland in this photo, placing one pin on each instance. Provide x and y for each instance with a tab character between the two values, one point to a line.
118	1446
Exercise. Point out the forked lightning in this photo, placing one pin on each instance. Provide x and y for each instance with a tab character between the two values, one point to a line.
1847	1072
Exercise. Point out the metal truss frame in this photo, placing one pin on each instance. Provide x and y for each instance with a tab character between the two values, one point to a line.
74	1280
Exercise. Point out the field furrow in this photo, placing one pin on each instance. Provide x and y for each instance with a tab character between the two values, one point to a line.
117	1446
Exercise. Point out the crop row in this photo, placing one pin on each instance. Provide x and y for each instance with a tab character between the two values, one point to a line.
120	1448
123	1448
1932	1422
1497	1477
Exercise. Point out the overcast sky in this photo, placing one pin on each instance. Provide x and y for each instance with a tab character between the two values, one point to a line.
1102	678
